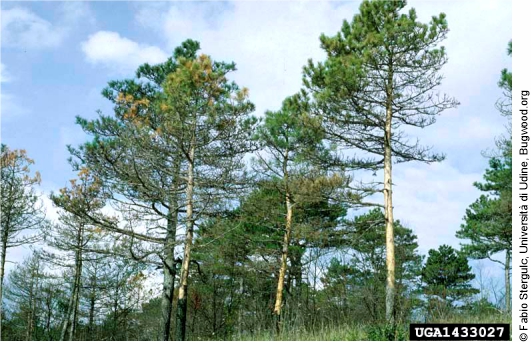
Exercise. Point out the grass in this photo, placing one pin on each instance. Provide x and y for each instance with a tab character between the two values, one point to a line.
361	332
336	333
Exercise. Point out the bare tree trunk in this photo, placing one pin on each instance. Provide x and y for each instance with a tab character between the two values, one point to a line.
169	274
49	316
283	264
508	280
240	310
31	298
285	247
388	204
67	317
70	323
79	265
183	286
2	265
92	307
73	323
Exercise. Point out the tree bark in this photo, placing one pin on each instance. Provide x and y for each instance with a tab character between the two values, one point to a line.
92	308
79	265
64	329
388	204
183	286
283	264
29	329
70	322
169	274
49	315
2	265
508	280
285	247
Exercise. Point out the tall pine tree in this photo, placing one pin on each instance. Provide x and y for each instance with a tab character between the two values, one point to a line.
382	72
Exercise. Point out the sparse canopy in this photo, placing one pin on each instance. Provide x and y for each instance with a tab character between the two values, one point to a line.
381	60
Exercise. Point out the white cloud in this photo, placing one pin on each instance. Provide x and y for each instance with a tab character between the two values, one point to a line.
116	52
23	29
269	41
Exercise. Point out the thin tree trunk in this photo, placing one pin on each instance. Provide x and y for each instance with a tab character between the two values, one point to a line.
73	323
49	315
91	310
69	325
2	265
240	310
183	287
283	264
67	317
77	287
31	298
388	204
285	247
508	280
169	274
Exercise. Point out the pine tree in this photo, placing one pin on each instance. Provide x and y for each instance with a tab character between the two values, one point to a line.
488	221
381	72
291	148
20	207
24	291
506	84
446	277
363	277
171	153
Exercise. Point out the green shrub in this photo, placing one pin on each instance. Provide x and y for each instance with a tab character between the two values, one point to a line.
387	332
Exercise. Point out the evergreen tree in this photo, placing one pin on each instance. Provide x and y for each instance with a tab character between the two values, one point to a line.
446	278
363	277
24	291
20	208
171	153
382	72
506	84
488	221
291	147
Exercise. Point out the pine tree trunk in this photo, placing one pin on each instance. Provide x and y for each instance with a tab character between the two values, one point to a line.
183	287
283	264
169	274
70	322
508	280
67	317
2	265
388	204
77	287
31	308
240	310
92	308
49	315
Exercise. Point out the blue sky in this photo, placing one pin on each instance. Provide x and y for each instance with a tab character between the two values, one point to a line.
56	58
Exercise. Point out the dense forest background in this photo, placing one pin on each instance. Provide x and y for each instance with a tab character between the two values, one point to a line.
193	217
